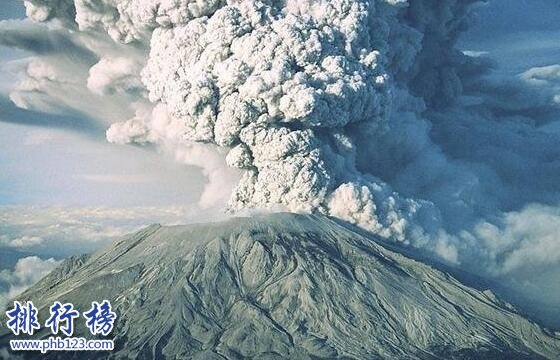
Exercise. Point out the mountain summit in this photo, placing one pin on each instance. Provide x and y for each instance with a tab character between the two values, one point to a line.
285	286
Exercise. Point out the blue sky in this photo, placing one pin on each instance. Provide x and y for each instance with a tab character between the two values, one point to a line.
518	34
49	166
52	165
12	9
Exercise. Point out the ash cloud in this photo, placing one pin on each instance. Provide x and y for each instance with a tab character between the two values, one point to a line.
365	110
282	85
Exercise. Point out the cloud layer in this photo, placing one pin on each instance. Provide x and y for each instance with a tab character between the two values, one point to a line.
50	231
33	239
27	272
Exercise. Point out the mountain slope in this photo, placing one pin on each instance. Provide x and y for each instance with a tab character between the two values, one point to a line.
285	286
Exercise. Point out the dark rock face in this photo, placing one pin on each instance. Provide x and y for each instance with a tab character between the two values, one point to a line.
284	286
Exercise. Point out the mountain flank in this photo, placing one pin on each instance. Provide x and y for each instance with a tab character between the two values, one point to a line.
283	286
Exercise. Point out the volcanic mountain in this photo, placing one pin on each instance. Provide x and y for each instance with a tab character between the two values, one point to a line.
284	286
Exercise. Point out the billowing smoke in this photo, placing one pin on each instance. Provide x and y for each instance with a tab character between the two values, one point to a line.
290	87
360	109
287	87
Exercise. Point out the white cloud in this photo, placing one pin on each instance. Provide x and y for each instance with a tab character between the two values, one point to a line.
56	71
64	231
47	232
547	78
21	242
520	251
543	75
525	240
27	272
115	75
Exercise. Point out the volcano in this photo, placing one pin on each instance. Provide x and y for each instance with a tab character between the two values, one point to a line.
285	286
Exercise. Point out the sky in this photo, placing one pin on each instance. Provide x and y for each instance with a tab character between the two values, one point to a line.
53	165
518	34
86	158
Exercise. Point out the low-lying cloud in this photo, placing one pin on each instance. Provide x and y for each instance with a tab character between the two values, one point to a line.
34	239
26	272
50	231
